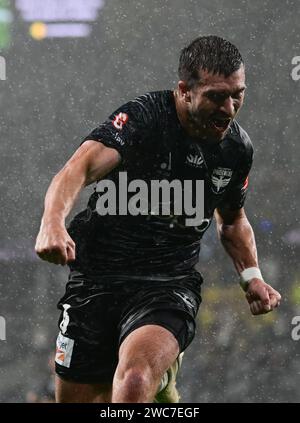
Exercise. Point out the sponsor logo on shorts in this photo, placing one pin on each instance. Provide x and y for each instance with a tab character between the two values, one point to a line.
64	350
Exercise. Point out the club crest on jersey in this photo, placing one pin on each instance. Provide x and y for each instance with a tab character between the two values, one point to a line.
220	178
194	160
120	120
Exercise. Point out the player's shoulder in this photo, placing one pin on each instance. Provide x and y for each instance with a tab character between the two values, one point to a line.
154	96
156	101
149	110
240	137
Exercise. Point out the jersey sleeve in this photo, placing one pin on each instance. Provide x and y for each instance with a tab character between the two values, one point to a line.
128	127
236	195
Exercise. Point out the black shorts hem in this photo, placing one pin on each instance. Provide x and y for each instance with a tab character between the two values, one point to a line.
181	334
85	379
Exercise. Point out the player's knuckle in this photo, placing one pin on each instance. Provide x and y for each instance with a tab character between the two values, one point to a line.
56	247
42	251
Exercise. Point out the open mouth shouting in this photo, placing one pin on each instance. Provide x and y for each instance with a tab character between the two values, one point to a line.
220	123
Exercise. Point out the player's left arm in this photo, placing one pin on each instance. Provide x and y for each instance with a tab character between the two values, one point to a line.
237	237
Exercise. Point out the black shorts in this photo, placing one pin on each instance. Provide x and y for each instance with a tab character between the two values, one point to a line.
97	316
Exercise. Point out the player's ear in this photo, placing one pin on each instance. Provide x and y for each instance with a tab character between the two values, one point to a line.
184	91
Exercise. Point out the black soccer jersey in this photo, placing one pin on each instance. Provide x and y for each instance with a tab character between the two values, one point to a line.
154	146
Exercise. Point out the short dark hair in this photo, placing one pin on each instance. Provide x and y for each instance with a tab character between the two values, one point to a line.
210	53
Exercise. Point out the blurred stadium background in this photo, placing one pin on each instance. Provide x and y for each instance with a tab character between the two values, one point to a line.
68	65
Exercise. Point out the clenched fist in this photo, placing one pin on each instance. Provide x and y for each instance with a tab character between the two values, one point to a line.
261	297
54	244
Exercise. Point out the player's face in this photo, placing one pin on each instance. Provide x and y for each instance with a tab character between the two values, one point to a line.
214	102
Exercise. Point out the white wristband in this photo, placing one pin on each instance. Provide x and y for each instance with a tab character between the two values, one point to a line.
248	274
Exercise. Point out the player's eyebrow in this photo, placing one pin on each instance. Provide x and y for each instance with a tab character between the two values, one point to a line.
215	93
225	92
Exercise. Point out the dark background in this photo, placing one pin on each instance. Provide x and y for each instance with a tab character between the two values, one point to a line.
57	90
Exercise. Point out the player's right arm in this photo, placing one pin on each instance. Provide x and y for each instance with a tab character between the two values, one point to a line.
90	162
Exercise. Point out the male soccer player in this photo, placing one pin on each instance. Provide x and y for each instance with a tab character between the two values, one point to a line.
133	293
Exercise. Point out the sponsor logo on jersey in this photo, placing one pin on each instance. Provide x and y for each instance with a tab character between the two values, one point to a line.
194	160
120	120
64	350
118	138
220	178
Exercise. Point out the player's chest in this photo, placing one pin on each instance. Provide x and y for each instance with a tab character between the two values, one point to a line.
188	161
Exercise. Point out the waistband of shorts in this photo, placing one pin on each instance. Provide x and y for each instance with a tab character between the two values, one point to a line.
134	279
